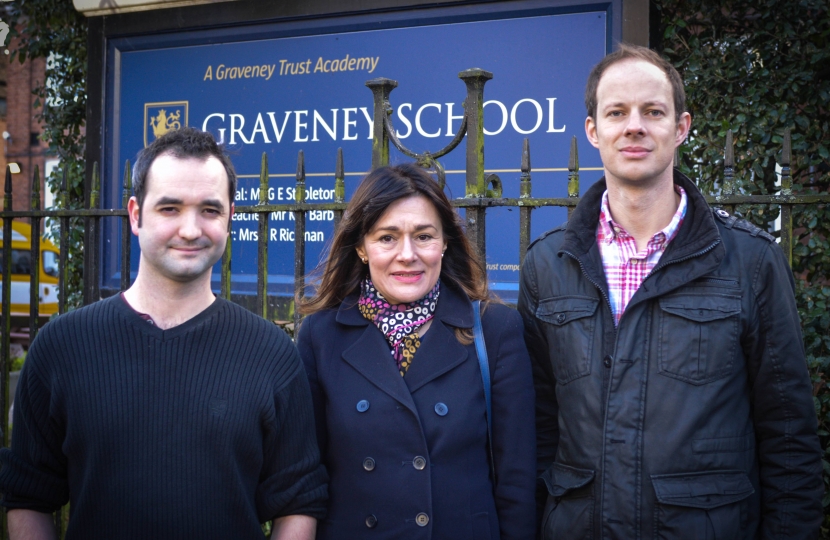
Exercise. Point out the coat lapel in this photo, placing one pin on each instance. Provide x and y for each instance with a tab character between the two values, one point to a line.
439	352
370	356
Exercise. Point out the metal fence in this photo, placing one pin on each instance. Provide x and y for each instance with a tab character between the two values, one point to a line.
483	191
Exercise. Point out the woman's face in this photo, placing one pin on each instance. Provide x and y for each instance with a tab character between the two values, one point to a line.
404	250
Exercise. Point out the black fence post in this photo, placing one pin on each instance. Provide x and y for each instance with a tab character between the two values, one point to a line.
381	88
299	240
91	257
573	174
476	186
525	192
126	230
786	189
34	257
262	242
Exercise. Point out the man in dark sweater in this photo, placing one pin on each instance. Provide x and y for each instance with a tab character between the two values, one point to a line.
166	412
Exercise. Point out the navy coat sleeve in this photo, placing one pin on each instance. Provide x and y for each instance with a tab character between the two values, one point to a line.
514	436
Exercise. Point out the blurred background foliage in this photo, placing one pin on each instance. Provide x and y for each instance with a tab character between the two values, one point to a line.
759	67
54	30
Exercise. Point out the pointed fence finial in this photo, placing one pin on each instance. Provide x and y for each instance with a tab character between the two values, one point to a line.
728	166
339	178
299	193
525	185
573	169
36	189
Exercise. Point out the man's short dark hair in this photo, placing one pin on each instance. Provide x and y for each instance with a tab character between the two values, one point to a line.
181	143
635	52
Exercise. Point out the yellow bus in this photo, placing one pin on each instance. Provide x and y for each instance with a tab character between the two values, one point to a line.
22	270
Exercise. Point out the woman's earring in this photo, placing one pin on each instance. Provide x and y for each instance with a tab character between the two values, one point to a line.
365	260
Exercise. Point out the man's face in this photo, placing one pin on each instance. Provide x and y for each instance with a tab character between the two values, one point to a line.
635	128
185	215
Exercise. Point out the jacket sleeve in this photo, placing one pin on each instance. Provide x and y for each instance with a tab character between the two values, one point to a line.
514	452
784	415
307	353
34	469
544	382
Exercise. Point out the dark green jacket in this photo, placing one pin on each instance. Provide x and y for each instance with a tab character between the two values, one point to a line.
692	419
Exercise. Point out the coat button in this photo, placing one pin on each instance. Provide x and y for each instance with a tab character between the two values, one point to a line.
607	361
560	318
362	405
422	519
419	463
369	464
441	409
371	521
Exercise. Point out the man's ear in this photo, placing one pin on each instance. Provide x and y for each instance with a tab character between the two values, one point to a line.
134	212
230	219
591	131
683	126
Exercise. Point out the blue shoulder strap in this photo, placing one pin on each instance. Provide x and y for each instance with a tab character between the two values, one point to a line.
484	365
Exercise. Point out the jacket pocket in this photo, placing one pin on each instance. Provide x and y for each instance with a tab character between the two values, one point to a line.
701	506
698	336
569	330
569	511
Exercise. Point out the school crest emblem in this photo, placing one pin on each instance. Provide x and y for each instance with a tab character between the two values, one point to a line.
160	118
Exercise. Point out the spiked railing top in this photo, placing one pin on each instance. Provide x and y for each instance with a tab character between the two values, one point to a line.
35	204
263	179
339	176
7	198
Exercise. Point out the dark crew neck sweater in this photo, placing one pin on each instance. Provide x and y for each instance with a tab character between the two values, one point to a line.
203	430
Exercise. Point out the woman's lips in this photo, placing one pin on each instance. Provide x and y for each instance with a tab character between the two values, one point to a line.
407	277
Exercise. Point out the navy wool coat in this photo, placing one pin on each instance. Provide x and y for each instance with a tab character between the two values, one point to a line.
408	456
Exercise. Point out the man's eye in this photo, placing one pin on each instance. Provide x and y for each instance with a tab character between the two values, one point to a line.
168	209
212	211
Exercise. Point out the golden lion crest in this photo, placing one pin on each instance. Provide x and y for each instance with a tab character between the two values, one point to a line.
162	123
164	117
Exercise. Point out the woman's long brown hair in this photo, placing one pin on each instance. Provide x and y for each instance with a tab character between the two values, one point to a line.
342	272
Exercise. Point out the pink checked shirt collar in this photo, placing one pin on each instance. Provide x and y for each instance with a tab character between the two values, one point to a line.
626	268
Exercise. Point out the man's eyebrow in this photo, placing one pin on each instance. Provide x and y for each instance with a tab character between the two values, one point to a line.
215	203
212	203
168	200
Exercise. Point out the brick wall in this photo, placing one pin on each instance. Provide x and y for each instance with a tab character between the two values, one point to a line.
22	125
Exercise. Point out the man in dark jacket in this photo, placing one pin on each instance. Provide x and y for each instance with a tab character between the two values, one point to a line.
673	398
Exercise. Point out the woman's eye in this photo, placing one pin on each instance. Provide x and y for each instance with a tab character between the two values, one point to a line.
424	237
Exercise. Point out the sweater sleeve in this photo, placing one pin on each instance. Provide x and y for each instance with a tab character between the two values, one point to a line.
34	473
293	480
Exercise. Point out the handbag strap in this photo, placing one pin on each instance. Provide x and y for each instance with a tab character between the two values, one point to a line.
484	366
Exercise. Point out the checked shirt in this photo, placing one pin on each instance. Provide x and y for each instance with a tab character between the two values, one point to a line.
625	267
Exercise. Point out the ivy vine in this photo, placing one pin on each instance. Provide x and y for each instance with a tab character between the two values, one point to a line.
759	67
54	30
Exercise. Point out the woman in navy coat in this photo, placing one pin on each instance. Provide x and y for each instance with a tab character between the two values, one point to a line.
395	378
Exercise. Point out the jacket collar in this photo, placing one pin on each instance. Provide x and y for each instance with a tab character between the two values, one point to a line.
697	235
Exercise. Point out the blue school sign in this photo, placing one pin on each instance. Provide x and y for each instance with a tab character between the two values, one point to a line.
279	95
